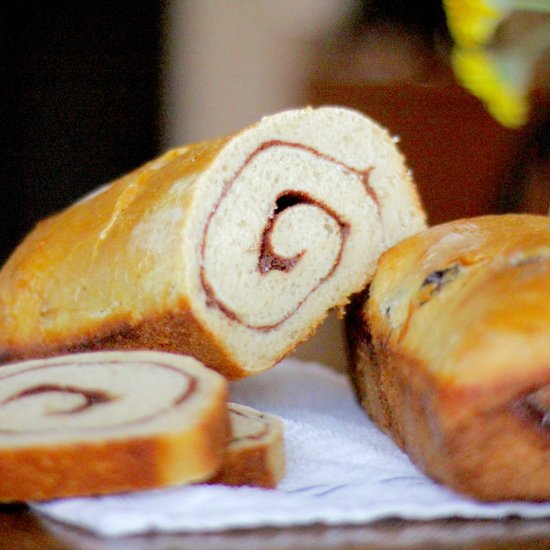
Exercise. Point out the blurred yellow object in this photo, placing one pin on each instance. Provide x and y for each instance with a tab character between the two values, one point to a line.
473	22
504	92
498	74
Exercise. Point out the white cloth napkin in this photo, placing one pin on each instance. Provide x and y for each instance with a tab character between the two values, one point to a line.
340	470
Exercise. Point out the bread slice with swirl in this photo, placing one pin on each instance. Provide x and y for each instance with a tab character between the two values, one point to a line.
109	422
232	250
256	454
450	353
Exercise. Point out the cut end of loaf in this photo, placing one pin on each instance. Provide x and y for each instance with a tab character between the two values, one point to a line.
291	220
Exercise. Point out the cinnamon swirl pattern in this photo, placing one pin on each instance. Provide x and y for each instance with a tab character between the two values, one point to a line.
295	225
87	394
255	455
232	250
318	237
108	422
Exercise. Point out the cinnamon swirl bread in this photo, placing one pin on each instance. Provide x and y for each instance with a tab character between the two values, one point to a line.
255	455
450	354
232	250
107	422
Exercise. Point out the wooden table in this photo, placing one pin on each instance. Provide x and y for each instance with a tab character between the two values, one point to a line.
22	530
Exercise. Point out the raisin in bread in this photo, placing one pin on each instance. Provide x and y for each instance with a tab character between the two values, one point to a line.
107	422
450	353
232	250
255	454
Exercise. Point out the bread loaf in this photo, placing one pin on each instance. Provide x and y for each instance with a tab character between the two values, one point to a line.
232	250
107	422
255	455
450	354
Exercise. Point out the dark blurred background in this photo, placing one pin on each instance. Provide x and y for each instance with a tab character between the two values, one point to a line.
81	102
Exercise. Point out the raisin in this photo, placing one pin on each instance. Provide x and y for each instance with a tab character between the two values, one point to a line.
436	280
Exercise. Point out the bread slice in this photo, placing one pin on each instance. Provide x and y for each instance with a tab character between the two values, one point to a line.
108	422
256	454
232	250
451	353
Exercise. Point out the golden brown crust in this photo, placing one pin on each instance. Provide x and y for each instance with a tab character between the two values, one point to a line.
485	267
464	439
201	449
53	295
41	474
95	468
177	332
250	466
467	427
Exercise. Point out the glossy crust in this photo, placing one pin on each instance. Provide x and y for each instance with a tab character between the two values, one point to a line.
113	461
176	331
451	345
33	283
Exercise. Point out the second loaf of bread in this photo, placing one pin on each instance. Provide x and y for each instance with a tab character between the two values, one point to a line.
451	353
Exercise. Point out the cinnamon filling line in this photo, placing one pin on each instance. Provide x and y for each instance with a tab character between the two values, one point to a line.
255	436
268	259
91	398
